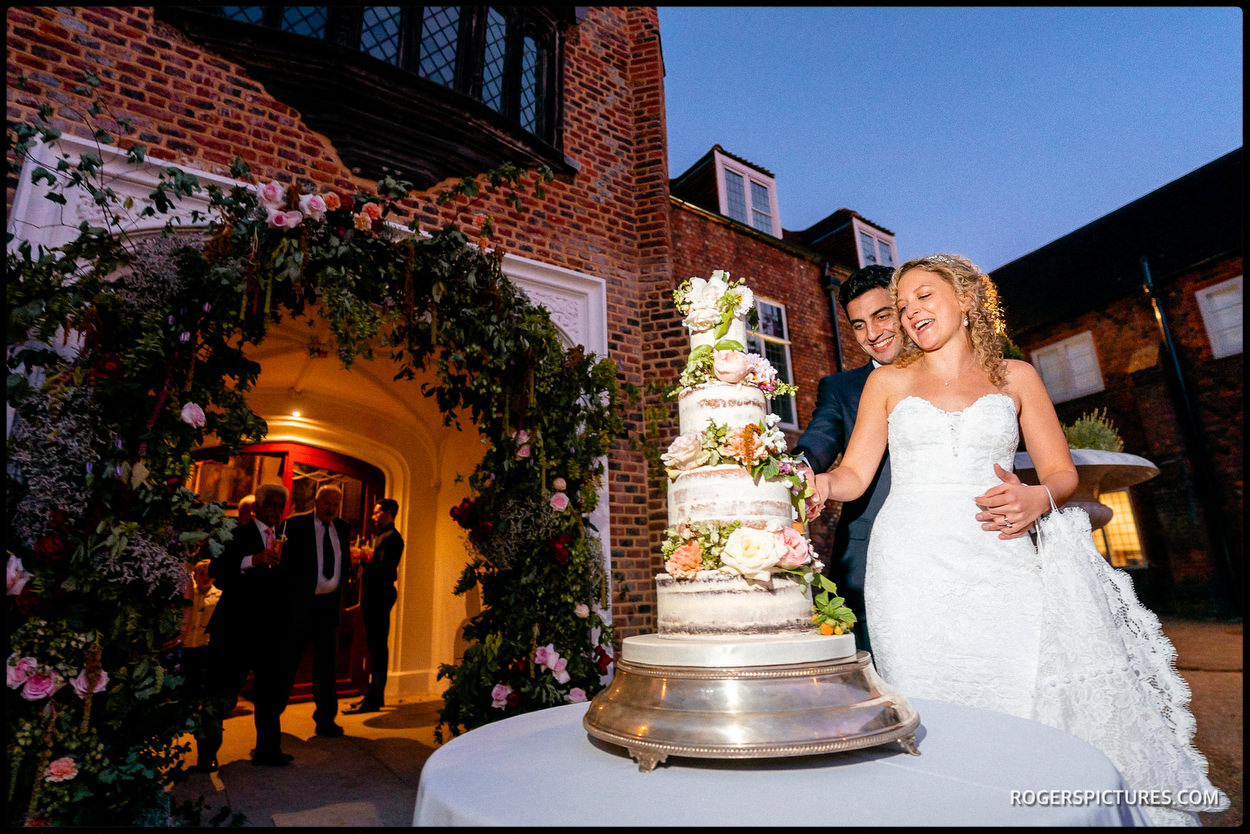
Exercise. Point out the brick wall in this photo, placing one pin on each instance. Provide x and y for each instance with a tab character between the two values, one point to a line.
193	108
1142	401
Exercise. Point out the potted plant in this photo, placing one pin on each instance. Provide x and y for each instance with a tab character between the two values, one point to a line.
1101	465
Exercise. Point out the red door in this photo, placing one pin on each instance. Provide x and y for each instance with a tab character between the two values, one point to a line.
303	470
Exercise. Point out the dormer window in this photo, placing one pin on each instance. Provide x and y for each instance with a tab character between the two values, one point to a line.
874	245
748	195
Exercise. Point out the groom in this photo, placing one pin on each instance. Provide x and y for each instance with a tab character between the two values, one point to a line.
866	299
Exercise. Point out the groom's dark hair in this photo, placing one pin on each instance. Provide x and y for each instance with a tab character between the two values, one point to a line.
862	280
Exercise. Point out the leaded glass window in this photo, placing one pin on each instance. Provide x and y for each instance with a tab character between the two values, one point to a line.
380	32
500	55
309	21
440	34
771	339
735	196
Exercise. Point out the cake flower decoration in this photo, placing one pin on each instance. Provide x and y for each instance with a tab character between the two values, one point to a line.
751	553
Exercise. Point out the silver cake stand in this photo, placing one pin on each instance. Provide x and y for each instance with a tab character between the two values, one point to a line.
749	712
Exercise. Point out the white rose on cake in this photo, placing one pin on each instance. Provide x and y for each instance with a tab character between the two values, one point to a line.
702	318
685	452
751	553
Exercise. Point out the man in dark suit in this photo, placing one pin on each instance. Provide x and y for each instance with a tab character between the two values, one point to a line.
866	299
377	596
314	562
247	632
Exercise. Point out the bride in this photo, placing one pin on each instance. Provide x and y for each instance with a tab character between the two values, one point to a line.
963	606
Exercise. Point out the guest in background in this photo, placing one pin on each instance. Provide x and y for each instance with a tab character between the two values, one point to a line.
865	297
247	506
380	562
195	655
313	569
248	630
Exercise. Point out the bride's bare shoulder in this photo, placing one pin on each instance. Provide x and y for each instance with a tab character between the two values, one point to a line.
1020	373
891	382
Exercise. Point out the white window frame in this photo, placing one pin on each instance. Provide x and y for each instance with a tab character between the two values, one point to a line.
880	239
1224	336
785	374
749	175
1062	384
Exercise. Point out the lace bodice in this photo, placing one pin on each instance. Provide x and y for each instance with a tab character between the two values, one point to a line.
930	446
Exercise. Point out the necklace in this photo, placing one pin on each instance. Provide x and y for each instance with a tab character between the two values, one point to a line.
945	382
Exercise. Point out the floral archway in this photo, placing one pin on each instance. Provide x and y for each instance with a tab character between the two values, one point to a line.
125	353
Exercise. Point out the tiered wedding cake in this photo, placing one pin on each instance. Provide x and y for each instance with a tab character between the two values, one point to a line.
737	587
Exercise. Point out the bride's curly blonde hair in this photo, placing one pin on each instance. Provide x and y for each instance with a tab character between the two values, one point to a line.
985	314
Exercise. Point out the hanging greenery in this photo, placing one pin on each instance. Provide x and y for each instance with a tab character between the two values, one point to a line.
125	353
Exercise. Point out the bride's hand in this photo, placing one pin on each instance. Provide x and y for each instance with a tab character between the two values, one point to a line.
1011	507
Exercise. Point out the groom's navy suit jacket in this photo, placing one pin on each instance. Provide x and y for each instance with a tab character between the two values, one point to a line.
826	436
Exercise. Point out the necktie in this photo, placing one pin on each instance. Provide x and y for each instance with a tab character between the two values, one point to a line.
327	553
268	537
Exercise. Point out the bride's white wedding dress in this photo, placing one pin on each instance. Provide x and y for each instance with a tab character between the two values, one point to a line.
960	615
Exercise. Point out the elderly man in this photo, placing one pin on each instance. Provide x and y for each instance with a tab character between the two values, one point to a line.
247	632
314	563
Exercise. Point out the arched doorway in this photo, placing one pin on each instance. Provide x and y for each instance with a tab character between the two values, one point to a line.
304	469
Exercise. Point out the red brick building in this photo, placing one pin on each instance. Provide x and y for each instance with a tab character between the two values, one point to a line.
338	97
1165	363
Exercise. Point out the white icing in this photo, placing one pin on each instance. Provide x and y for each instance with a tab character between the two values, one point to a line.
722	403
720	604
728	493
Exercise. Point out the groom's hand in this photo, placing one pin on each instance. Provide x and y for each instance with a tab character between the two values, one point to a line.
1004	508
815	503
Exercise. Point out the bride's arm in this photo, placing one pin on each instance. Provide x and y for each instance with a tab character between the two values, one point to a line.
850	478
1048	449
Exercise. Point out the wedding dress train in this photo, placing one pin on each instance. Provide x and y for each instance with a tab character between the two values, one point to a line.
1059	637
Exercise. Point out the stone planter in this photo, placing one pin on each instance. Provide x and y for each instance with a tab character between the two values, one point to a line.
1099	472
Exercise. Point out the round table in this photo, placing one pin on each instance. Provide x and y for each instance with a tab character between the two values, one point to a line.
976	768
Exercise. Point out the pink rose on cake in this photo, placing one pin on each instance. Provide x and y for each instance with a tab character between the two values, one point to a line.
685	561
751	553
730	366
685	452
796	550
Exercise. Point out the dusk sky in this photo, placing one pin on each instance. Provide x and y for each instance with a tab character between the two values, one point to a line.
986	132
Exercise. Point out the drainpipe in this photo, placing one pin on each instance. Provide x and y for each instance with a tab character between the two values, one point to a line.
832	285
1198	456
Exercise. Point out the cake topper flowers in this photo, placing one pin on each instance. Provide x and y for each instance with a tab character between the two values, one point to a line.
714	302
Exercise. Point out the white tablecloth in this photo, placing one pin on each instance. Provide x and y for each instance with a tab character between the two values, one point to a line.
542	768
